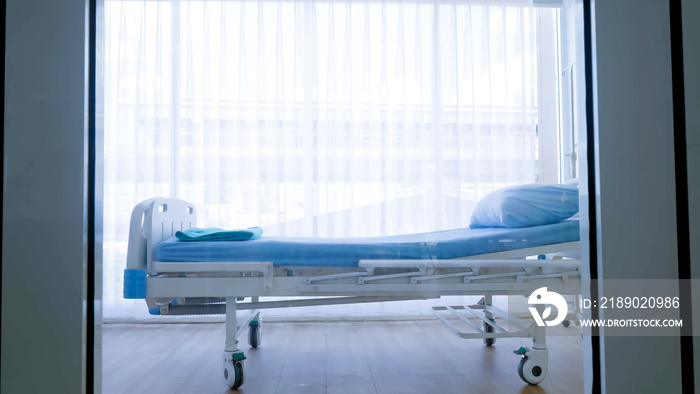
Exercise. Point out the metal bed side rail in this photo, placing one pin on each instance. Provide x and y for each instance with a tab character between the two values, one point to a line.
470	263
420	273
175	287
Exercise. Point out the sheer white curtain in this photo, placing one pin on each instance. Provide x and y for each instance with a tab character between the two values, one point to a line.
314	118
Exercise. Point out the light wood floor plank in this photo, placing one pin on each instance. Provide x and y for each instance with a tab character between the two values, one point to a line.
351	385
268	360
345	354
329	357
310	383
306	353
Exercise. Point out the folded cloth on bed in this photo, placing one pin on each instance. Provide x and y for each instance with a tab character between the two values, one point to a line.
218	234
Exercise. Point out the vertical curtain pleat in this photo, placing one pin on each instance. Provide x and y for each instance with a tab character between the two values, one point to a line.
314	118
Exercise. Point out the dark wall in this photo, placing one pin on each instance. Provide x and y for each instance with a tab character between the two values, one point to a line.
44	252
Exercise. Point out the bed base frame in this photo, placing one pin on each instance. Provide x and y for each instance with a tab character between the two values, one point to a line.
191	288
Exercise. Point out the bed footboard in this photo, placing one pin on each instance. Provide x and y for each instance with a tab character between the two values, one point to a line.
152	222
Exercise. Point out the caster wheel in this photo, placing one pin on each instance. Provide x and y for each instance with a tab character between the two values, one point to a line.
234	373
566	323
530	372
255	335
489	341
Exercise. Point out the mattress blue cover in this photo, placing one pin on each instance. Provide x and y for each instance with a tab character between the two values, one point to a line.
346	252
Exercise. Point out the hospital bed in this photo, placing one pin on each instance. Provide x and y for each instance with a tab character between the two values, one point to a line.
185	278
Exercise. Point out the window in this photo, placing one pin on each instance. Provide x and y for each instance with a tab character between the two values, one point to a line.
354	118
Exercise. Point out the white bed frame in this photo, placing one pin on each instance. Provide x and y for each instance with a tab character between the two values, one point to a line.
186	288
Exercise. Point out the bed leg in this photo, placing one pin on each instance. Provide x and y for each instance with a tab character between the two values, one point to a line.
255	329
539	341
534	362
231	325
234	370
488	301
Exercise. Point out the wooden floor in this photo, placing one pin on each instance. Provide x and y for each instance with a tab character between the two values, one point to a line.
329	357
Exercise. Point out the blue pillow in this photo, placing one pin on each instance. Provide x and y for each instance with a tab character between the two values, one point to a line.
528	205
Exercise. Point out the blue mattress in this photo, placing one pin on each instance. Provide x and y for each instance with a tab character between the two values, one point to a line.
346	252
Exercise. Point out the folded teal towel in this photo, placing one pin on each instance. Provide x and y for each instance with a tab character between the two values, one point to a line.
218	234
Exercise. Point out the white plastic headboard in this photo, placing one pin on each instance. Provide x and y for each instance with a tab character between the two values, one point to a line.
152	222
